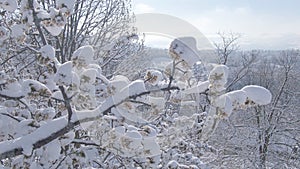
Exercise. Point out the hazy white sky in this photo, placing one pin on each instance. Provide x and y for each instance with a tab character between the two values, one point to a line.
263	24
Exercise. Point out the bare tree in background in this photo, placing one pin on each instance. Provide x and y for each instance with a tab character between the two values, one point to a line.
278	123
227	46
265	136
106	25
228	54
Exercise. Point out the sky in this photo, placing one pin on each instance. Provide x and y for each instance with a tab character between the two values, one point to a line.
262	24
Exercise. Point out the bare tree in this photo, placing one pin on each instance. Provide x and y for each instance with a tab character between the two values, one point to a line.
265	136
228	54
227	46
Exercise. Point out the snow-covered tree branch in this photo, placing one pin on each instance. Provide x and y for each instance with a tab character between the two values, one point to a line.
62	106
60	126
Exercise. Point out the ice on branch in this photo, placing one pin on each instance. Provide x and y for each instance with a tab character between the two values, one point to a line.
185	49
15	88
27	142
134	88
27	149
128	111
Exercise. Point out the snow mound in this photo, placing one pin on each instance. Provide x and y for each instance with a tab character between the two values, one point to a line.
185	48
118	82
257	94
57	95
88	75
135	87
238	98
17	31
133	134
218	78
153	76
29	86
54	30
48	52
83	56
201	87
224	104
12	89
64	74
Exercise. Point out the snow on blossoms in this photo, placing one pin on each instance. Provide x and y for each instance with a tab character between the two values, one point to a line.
83	56
47	54
218	78
4	33
53	20
222	103
129	141
153	76
257	95
248	96
184	48
64	74
18	32
156	120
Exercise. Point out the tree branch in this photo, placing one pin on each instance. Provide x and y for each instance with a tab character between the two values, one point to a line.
37	22
60	126
67	102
